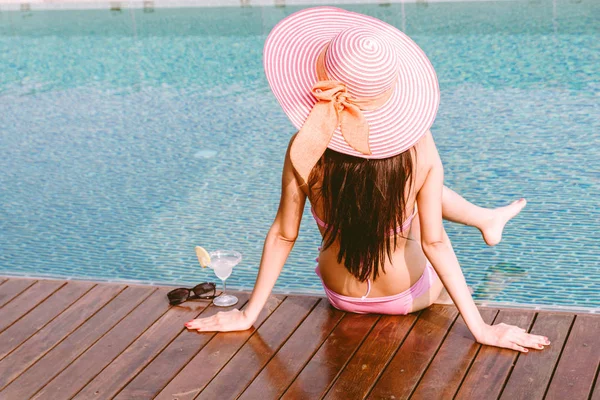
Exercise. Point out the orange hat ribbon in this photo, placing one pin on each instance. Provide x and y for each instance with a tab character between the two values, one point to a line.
334	107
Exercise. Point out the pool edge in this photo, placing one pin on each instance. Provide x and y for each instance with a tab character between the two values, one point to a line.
485	304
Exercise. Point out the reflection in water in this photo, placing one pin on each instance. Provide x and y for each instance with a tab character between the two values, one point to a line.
497	278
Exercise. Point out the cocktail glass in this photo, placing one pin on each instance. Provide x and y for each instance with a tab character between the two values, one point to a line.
222	262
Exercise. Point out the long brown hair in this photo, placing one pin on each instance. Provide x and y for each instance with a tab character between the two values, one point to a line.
363	200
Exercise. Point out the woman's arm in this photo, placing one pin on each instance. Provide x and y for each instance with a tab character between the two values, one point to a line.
280	239
438	250
278	245
435	246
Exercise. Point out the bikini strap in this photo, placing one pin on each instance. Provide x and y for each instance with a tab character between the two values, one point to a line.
408	221
318	220
400	229
368	289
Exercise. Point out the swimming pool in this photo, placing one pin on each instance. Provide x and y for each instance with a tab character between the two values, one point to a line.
128	137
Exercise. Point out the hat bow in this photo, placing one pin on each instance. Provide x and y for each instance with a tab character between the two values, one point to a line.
335	107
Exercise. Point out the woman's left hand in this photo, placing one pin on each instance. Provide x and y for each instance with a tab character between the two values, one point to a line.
223	321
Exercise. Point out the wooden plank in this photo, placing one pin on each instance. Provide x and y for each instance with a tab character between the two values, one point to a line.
143	350
76	343
217	350
37	318
46	338
531	374
366	365
26	301
492	365
450	364
576	370
277	375
596	393
402	374
173	358
324	367
258	350
73	378
12	288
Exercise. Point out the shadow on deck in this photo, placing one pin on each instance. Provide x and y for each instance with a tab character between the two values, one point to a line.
88	340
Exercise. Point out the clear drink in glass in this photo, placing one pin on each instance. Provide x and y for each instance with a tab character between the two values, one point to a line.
222	263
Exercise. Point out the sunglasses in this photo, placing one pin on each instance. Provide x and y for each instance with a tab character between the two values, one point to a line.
201	291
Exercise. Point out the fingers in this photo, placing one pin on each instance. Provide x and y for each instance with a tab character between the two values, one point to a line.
524	339
520	340
223	321
516	338
198	323
536	341
515	346
205	324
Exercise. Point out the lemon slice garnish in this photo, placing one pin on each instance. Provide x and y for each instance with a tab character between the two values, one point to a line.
203	256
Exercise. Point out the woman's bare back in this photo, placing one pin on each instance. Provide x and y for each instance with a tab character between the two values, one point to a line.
408	260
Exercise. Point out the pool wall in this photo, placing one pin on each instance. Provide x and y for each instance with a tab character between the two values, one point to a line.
149	5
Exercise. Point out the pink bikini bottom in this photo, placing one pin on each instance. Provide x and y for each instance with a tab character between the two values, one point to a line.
398	304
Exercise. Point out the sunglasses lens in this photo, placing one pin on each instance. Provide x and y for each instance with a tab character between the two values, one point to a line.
178	296
204	288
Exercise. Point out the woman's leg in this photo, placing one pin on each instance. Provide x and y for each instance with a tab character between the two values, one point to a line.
489	221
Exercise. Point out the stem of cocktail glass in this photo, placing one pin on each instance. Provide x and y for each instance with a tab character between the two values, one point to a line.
224	287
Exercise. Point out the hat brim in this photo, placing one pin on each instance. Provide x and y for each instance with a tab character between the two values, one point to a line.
289	57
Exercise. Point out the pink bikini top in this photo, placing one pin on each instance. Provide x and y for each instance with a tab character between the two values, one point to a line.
400	229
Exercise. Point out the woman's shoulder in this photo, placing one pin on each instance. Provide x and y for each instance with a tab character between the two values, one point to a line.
426	158
289	148
426	151
425	142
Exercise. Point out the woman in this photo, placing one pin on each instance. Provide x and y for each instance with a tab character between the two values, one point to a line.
363	96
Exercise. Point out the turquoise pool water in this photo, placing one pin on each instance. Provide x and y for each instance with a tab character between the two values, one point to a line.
129	137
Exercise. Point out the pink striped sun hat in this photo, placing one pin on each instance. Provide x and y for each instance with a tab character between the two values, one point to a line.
351	83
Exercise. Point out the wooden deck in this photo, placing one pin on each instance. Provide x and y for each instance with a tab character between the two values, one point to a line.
87	340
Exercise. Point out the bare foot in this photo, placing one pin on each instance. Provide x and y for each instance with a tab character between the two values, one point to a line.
444	297
492	230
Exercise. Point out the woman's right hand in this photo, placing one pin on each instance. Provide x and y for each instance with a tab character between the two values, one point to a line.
223	321
510	337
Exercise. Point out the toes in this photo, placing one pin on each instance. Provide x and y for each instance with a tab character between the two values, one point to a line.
516	207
